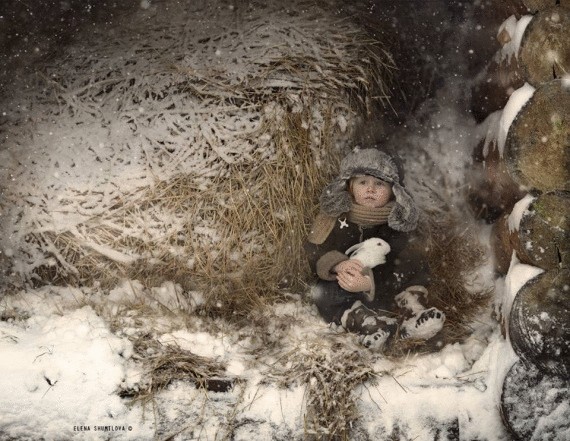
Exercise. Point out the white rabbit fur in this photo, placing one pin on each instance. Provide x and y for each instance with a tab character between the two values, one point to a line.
371	252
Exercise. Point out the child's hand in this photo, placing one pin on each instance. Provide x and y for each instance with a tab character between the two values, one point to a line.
350	277
354	282
352	265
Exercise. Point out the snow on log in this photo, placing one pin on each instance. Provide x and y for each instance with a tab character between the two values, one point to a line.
539	325
519	275
543	236
504	74
534	405
545	47
538	140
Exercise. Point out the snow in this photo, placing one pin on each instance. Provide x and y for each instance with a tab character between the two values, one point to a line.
67	352
518	211
516	29
52	361
517	275
516	102
73	348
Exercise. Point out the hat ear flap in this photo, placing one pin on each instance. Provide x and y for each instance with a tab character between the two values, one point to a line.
335	198
404	216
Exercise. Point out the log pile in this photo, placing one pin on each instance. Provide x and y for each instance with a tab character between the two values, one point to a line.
534	49
520	183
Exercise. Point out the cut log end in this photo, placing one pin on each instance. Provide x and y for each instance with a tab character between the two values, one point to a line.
545	52
537	150
544	232
534	404
539	328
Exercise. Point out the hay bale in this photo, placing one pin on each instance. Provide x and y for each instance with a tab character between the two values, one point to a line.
200	153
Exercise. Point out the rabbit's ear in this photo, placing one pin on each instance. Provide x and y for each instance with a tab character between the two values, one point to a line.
353	248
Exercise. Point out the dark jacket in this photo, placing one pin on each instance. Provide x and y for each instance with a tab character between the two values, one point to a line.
405	264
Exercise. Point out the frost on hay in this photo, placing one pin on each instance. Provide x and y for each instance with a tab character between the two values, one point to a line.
191	154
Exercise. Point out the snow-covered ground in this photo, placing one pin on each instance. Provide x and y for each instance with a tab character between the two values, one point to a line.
68	352
62	370
69	362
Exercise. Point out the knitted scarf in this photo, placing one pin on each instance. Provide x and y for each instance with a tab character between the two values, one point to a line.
368	216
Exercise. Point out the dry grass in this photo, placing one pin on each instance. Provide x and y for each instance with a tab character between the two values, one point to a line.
331	372
235	228
165	364
143	320
454	254
256	215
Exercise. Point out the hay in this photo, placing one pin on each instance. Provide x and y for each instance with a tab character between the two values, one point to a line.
454	255
239	239
207	173
331	373
166	364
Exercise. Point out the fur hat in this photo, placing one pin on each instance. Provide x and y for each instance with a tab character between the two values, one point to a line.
335	198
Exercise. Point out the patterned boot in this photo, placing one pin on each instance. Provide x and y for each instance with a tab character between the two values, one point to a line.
423	325
413	300
373	328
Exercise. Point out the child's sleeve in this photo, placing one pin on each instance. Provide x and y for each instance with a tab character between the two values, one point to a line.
321	249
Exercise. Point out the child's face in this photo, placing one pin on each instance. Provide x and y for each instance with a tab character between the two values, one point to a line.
370	191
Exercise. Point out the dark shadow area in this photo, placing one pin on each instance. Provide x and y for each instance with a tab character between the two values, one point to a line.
35	30
420	35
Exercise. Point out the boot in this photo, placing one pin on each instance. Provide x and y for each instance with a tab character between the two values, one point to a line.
412	300
373	328
423	325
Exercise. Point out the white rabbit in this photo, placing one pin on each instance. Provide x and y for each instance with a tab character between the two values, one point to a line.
370	252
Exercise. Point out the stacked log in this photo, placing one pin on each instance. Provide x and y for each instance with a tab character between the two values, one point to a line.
544	51
534	49
537	147
492	190
543	238
521	184
534	156
503	75
534	6
540	236
534	404
539	325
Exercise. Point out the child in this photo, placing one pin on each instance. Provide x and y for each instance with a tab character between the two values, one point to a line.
368	200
